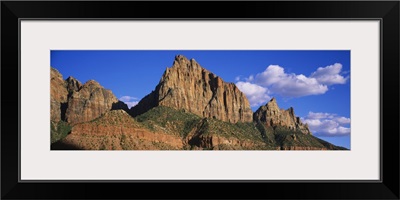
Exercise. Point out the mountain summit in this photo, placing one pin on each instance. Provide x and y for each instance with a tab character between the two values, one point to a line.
272	116
188	86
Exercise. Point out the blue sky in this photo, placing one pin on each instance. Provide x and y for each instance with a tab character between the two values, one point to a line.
315	83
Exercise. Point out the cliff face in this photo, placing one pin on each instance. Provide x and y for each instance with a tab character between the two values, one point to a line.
58	94
91	101
75	103
272	116
187	85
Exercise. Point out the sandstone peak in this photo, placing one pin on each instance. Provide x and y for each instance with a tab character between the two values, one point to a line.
91	101
70	78
93	82
187	85
91	85
271	115
182	64
73	84
75	103
180	61
180	58
272	103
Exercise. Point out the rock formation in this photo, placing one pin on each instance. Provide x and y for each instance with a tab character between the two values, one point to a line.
73	85
88	103
75	103
188	86
272	116
190	108
58	94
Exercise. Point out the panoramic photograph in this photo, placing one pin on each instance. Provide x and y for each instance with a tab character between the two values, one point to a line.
200	100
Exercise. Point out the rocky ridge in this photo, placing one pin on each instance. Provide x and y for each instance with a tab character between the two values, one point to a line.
117	130
190	108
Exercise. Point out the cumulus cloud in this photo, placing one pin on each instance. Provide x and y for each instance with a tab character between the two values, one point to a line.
130	101
276	81
313	115
327	124
251	78
289	85
256	94
329	75
343	120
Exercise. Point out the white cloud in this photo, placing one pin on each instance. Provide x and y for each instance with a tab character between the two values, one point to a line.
289	85
327	124
130	101
343	120
329	75
251	78
271	75
256	94
128	98
276	81
313	115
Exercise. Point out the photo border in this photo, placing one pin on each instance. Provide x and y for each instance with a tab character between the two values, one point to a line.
387	12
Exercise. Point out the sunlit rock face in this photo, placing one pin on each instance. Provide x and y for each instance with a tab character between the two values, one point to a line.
188	86
272	116
74	103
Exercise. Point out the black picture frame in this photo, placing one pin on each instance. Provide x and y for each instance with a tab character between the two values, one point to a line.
386	11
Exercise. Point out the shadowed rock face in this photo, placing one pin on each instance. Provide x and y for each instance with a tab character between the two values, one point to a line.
73	85
75	103
272	116
187	85
60	91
